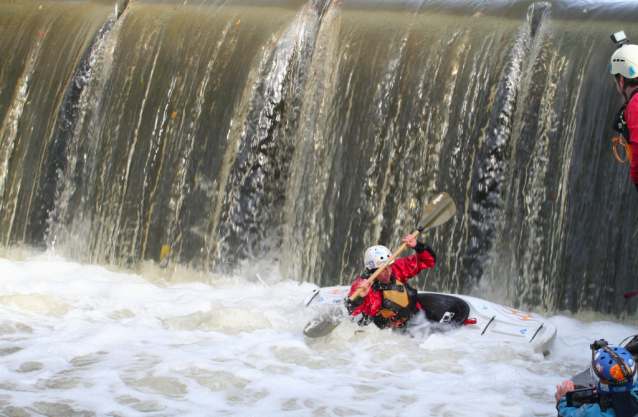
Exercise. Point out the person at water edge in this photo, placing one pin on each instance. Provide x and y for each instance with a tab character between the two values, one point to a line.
390	301
613	370
624	67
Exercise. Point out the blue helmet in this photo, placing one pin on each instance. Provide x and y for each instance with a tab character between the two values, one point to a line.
613	369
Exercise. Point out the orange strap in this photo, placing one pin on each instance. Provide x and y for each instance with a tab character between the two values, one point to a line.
620	141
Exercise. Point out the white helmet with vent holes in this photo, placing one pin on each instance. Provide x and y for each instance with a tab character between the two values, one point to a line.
625	61
377	256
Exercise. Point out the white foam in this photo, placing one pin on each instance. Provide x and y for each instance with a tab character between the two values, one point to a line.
80	338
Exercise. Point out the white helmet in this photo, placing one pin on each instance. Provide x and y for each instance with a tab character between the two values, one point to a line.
377	256
625	61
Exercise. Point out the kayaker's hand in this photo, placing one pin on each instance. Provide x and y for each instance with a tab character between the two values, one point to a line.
561	391
365	284
410	240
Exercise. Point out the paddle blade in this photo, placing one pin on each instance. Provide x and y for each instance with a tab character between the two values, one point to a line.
324	321
320	328
440	210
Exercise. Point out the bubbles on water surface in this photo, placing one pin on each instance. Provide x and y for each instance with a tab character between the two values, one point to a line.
124	345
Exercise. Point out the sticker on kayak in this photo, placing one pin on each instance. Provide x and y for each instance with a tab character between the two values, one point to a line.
523	331
520	315
338	291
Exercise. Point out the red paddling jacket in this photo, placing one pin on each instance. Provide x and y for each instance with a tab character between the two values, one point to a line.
626	123
392	304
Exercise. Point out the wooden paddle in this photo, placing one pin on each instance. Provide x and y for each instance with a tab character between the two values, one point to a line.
437	212
440	210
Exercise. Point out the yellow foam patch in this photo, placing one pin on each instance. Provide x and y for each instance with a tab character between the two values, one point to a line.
165	250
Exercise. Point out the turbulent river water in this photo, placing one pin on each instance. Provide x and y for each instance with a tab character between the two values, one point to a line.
80	340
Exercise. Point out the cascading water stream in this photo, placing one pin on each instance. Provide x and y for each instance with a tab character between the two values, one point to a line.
207	136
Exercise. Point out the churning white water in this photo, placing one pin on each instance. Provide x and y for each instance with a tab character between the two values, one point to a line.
81	340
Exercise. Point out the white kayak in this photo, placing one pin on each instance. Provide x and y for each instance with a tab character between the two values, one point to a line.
489	320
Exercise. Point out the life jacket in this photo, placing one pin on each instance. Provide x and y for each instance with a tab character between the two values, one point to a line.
400	301
620	122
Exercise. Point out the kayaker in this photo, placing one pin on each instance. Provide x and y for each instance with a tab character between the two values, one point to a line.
613	370
624	67
390	301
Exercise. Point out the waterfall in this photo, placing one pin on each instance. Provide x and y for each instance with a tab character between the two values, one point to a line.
210	135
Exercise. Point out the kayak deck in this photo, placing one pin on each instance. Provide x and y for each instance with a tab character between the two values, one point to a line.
489	321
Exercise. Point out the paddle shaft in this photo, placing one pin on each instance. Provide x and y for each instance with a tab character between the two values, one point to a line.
379	270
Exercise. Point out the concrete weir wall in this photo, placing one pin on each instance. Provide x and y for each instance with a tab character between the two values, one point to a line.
207	134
